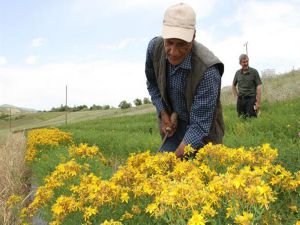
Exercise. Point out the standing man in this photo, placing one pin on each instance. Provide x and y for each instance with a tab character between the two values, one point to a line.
246	87
184	79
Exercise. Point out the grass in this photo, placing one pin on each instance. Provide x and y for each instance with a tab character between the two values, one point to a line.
278	125
118	137
26	121
118	133
13	176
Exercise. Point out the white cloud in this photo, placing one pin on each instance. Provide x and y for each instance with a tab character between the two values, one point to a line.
38	42
3	60
98	82
31	60
271	28
94	8
117	46
272	31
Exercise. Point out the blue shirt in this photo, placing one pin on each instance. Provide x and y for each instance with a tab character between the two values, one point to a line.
201	115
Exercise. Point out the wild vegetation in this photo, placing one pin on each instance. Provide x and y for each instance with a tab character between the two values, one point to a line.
262	153
14	177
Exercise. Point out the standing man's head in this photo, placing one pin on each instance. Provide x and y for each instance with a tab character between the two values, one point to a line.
244	61
178	32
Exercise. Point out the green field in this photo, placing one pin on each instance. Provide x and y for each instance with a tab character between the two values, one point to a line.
119	133
25	121
278	125
119	136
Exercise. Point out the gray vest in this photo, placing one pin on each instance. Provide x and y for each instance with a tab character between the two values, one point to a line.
202	59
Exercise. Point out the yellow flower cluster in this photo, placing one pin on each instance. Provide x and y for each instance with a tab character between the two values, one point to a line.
111	222
196	219
241	186
249	182
245	218
64	205
44	137
56	179
85	151
13	200
222	156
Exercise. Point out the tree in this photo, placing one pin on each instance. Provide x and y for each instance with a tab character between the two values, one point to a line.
137	102
146	101
105	107
96	107
79	108
124	105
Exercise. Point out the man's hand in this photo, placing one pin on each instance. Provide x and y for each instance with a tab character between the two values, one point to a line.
174	120
257	106
168	123
180	150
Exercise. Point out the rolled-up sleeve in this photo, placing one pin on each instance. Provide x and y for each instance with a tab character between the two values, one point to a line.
203	107
151	78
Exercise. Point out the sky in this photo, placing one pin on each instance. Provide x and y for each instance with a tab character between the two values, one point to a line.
97	48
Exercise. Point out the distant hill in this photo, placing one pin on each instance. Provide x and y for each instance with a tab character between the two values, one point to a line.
6	109
275	88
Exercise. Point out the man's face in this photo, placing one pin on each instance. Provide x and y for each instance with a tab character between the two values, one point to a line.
176	50
244	63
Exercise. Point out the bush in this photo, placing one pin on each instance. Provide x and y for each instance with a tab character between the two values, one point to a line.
146	101
137	102
124	105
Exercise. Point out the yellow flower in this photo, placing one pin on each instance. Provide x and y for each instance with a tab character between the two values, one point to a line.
88	212
197	219
238	182
64	205
244	219
189	150
293	208
84	151
229	211
45	136
124	197
126	216
151	208
136	209
111	222
13	200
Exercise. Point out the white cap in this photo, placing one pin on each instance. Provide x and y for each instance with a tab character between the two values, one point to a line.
179	22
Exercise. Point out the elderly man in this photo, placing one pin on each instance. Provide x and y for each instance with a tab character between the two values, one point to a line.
184	79
246	87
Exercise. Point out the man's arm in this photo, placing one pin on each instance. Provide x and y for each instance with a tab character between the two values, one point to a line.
151	78
234	87
165	118
258	96
258	90
202	111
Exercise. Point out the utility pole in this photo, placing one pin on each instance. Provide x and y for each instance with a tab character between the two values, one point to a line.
10	119
246	45
293	70
66	106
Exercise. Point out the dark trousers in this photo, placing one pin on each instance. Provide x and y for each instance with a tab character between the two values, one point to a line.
245	106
